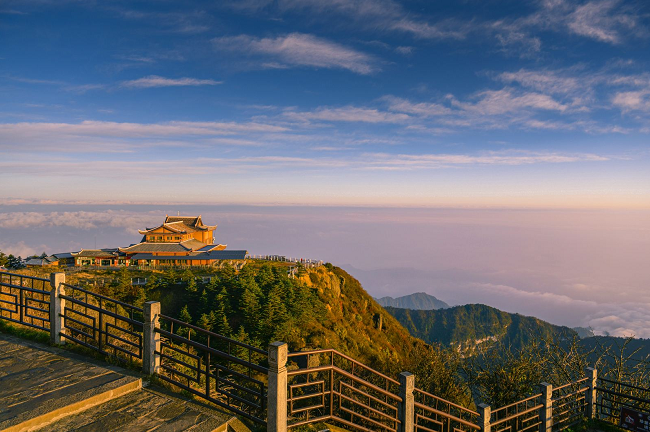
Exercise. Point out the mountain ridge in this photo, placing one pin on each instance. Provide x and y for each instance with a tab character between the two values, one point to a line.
472	324
415	301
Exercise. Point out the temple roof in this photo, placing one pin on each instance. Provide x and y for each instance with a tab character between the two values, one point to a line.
96	253
182	225
185	246
214	255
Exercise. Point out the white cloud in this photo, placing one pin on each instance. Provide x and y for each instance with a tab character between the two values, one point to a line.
21	249
492	102
378	14
297	49
551	82
601	20
129	221
348	114
623	319
424	109
157	81
632	100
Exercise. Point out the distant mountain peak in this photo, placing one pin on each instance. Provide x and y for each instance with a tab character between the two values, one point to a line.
416	301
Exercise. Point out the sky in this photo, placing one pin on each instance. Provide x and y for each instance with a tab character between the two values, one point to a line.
479	150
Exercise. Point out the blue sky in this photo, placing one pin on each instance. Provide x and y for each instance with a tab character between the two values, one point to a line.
349	102
300	126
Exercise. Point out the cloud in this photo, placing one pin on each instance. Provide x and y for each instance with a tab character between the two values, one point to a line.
176	22
492	102
180	167
21	249
130	130
424	109
632	100
83	220
431	161
157	81
297	49
551	82
348	114
601	20
623	319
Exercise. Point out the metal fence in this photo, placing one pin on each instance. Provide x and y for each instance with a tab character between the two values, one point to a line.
25	300
101	323
570	404
224	371
523	416
434	414
613	395
326	385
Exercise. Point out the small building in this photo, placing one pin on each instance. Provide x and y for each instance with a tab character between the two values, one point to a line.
99	257
42	261
64	259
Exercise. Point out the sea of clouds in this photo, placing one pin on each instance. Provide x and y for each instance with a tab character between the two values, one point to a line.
577	268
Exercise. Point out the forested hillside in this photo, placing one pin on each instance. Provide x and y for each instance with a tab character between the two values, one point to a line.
465	325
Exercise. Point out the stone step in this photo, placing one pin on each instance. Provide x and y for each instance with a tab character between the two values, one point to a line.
50	389
40	384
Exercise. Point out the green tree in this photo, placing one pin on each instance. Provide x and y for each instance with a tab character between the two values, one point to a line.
204	302
14	263
184	315
249	305
205	322
190	281
221	308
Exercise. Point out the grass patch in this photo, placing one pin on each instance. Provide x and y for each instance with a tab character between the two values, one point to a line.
24	332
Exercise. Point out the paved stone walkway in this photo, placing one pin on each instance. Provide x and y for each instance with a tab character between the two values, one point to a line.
47	388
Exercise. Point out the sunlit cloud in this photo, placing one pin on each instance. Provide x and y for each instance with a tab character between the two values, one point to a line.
297	49
157	81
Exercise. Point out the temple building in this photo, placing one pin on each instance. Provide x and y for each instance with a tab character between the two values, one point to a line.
180	240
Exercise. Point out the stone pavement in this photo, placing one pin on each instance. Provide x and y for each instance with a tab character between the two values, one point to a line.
47	388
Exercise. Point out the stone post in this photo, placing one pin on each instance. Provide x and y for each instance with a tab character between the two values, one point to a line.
406	412
57	307
546	412
485	412
150	338
591	374
277	392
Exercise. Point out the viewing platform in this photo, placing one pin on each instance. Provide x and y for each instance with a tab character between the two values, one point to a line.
48	388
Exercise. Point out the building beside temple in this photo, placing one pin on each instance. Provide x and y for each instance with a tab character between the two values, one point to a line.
180	240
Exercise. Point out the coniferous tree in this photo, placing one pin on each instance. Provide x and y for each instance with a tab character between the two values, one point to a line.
249	305
205	322
221	308
184	315
190	282
204	305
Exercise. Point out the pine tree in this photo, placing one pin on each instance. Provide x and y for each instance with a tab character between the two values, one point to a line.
185	315
205	322
275	314
204	305
221	309
249	306
190	282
